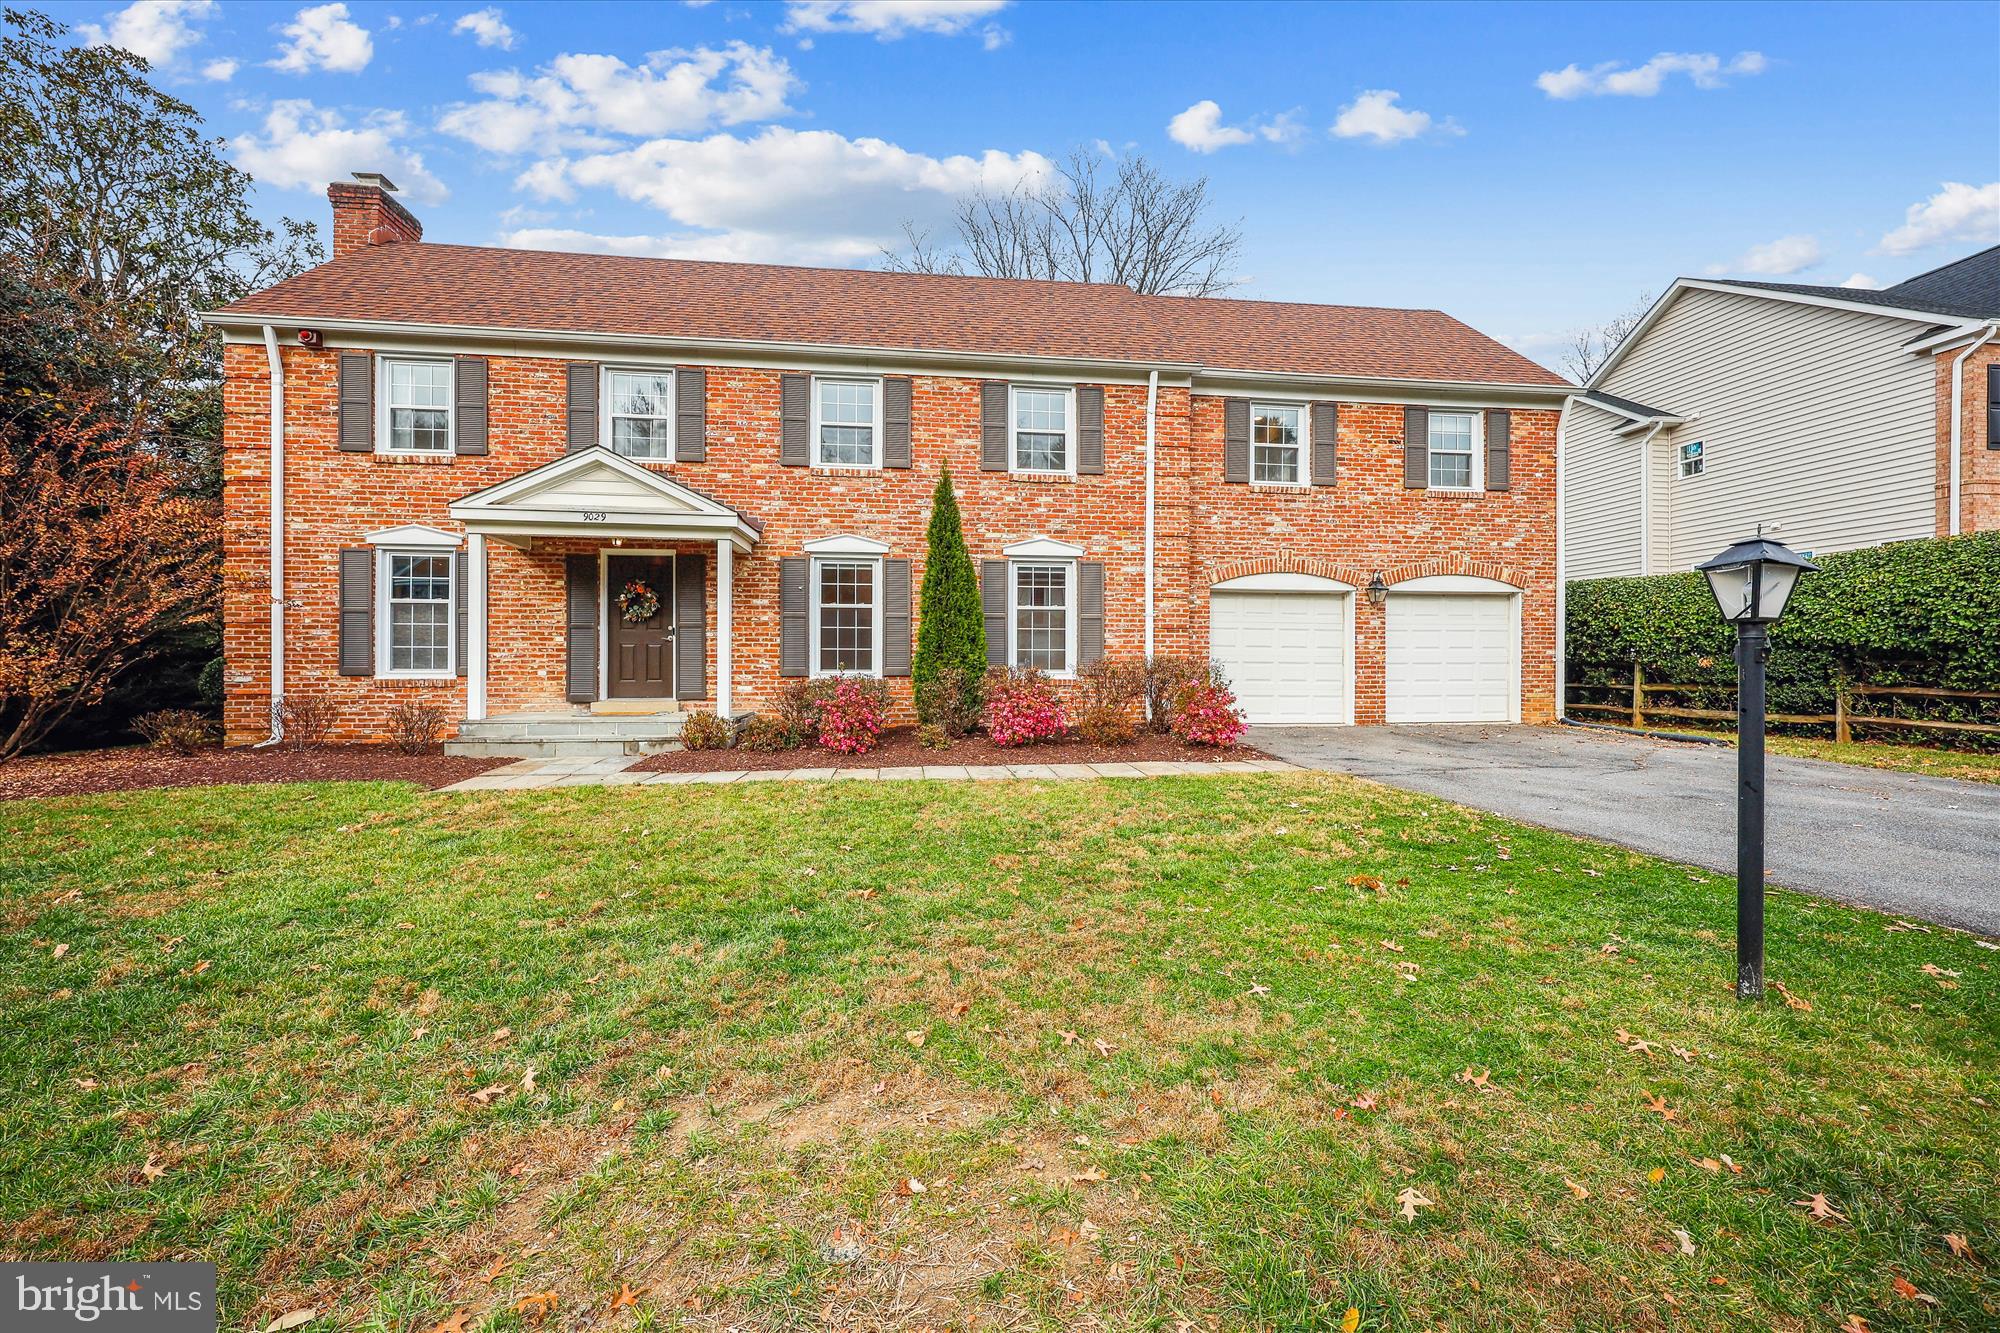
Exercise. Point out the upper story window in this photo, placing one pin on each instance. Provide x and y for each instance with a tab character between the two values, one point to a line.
639	415
847	423
1454	450
846	617
1042	426
416	406
1276	456
1690	459
1040	621
416	613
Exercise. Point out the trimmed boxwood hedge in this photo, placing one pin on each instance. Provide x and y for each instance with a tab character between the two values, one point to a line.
1911	613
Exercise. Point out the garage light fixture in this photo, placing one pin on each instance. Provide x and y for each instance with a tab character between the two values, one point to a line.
1752	581
1378	591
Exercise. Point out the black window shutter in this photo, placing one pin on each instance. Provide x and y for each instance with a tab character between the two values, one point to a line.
1090	430
793	658
357	402
1325	443
583	411
468	396
895	617
1498	449
896	422
1090	612
357	611
794	420
580	671
461	637
1416	448
691	415
1993	407
1236	440
993	604
993	426
690	627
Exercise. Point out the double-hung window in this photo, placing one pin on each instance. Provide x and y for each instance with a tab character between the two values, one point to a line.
639	415
1691	459
1454	450
416	406
1042	617
416	613
846	617
1277	454
1042	427
847	423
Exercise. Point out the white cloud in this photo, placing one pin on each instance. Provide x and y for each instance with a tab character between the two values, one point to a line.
886	20
574	100
1611	79
729	247
799	196
1776	259
1375	115
159	30
1957	214
220	71
323	37
1861	281
487	27
1200	129
304	147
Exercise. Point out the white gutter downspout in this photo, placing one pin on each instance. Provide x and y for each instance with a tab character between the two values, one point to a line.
1957	415
1152	404
1645	496
277	536
1562	587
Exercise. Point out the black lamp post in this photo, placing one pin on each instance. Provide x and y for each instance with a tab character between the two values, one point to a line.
1752	581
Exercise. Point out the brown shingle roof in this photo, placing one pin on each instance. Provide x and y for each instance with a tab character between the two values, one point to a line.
472	286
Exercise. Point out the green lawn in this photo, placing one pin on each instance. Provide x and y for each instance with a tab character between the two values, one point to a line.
1152	1052
1961	764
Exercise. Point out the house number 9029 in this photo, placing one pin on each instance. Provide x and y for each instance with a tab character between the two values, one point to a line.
593	515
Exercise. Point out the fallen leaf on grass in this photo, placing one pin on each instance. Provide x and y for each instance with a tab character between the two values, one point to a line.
626	1295
1907	1289
1069	1038
1656	1175
1481	1080
1365	1102
916	1036
1959	1246
492	1275
485	1096
87	1084
1103	1050
1855	1324
1686	1055
1576	1189
1411	1200
1791	1001
1090	1175
291	1320
1658	1105
1686	1241
536	1306
1366	883
528	1080
1819	1209
1391	946
154	1168
451	1323
1351	1320
59	951
909	1187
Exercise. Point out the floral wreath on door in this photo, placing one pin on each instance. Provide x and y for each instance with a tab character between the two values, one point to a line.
638	603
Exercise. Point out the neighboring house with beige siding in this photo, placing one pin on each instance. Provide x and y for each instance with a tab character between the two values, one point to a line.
1825	415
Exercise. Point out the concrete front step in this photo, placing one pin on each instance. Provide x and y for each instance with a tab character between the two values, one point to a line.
558	747
571	734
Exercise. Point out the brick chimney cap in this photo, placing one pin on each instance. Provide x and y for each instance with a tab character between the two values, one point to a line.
377	179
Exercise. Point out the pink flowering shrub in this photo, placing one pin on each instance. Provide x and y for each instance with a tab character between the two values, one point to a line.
1022	707
852	715
1205	713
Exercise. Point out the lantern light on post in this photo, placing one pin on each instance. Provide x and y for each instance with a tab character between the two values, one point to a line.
1751	581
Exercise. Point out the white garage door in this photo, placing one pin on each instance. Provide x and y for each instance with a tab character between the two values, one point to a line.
1451	658
1285	654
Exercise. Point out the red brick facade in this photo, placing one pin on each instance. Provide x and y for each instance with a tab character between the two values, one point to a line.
1205	529
1979	465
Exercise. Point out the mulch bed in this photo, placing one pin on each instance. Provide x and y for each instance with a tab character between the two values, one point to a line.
84	771
899	749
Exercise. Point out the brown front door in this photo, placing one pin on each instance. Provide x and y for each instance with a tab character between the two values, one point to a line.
641	652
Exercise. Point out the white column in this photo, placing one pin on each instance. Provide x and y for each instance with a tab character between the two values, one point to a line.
475	630
725	624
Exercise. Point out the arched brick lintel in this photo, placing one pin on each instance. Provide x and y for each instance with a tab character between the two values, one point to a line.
1288	564
1454	564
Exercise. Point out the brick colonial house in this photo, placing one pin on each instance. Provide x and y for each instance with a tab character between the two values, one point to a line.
481	451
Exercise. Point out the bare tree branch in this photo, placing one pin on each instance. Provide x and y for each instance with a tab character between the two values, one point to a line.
1590	348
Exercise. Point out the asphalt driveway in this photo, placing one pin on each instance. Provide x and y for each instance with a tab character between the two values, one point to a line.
1917	846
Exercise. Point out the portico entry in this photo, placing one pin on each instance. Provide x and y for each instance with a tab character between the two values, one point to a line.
639	644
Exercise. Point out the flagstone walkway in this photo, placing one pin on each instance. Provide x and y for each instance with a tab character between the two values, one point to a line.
528	773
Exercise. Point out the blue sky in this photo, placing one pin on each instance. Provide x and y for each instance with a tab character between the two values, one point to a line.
1529	168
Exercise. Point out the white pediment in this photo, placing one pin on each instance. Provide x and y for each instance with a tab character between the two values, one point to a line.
1045	548
597	491
413	535
846	544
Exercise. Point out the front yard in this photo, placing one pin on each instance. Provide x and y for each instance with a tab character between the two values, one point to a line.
1117	1054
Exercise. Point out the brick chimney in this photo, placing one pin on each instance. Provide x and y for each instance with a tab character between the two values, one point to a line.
366	213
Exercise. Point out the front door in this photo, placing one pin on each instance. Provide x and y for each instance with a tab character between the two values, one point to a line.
640	652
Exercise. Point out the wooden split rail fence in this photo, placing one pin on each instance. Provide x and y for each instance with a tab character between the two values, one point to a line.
1633	707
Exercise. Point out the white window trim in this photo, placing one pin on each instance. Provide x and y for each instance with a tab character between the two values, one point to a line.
1478	482
1681	460
384	441
604	424
873	381
1071	608
384	563
813	617
1068	393
1304	445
